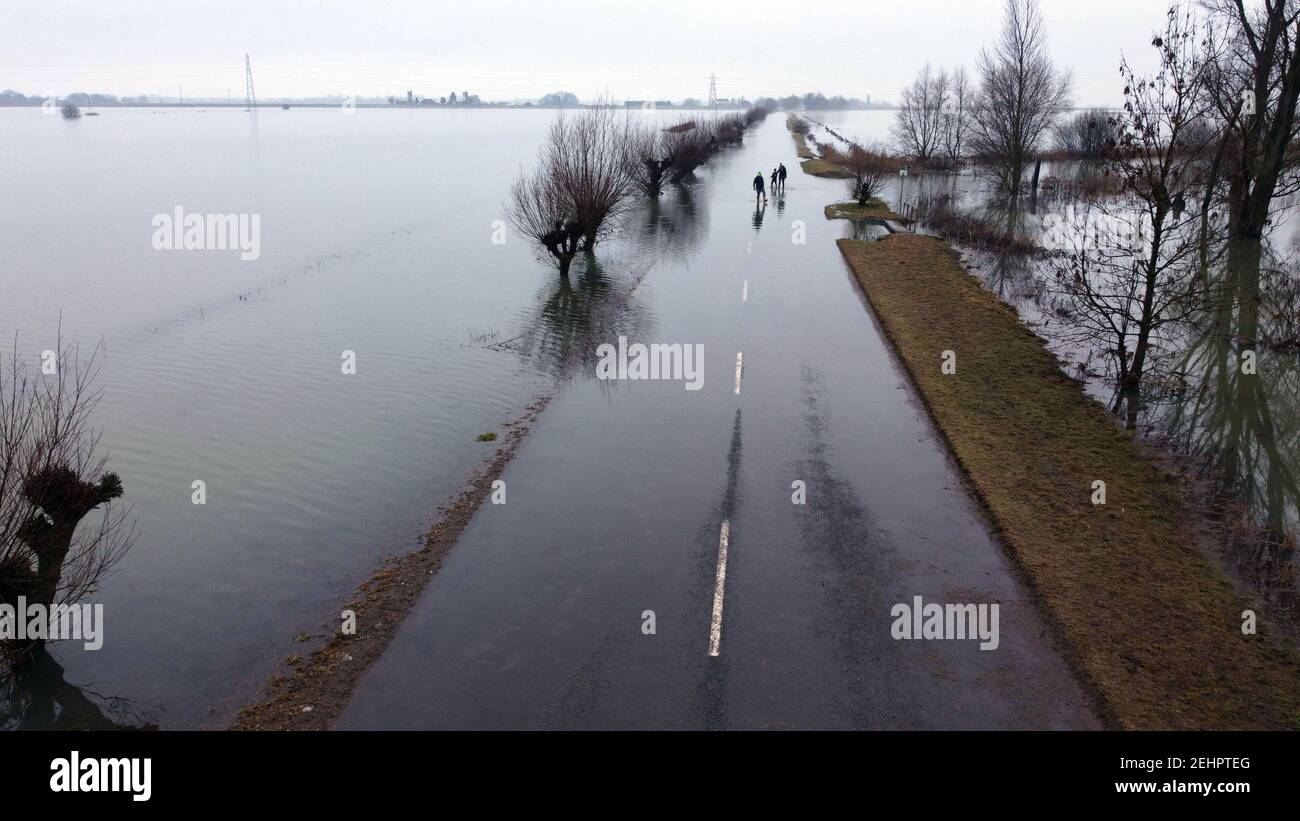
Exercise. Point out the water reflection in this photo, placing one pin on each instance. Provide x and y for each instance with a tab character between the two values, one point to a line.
671	226
1014	277
757	219
1240	425
581	311
35	696
1244	421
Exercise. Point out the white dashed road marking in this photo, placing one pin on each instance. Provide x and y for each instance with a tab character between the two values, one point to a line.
715	626
739	363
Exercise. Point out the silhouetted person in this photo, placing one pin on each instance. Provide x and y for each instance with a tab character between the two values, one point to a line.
759	192
773	184
780	174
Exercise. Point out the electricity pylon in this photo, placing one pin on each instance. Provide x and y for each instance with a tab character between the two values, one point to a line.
250	99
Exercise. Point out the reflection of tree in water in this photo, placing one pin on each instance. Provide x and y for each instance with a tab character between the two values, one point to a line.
35	696
1245	427
597	305
867	230
1243	430
1016	278
669	227
579	313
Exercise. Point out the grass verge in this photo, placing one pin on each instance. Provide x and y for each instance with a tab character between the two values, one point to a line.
824	168
316	690
1150	622
873	210
801	146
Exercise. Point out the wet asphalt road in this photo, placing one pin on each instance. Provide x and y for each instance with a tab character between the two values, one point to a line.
615	504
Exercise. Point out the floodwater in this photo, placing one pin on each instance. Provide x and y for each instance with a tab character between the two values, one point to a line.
1241	434
585	600
377	235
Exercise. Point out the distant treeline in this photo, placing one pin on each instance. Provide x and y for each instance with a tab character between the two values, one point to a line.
815	101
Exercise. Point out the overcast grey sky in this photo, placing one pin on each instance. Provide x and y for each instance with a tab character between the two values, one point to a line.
506	50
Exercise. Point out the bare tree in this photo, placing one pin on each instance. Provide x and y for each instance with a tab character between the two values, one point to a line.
869	170
918	126
586	158
729	128
1255	86
1021	95
689	146
1136	271
648	158
1088	134
581	187
539	211
51	478
955	117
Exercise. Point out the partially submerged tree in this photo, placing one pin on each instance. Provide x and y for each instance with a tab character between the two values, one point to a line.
51	479
1088	134
869	170
539	211
688	146
586	159
648	158
580	188
1021	96
1135	270
918	127
1254	86
729	128
955	116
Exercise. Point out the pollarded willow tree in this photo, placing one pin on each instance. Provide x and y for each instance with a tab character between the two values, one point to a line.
51	478
648	158
1020	98
580	188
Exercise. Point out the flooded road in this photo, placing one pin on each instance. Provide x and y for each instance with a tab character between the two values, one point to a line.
589	599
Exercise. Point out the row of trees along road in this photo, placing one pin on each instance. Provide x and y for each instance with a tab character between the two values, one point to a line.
594	164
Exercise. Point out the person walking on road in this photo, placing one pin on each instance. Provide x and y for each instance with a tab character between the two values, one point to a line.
759	192
781	172
773	183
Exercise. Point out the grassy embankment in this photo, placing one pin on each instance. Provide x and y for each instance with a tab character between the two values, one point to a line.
811	163
1150	622
874	210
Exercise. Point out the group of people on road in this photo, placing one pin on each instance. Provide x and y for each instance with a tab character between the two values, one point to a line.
778	183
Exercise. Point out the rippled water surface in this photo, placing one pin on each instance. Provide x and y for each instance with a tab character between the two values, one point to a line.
376	237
